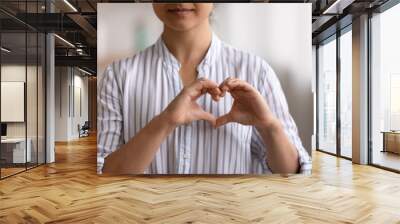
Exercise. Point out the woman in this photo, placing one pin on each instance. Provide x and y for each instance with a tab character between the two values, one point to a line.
166	110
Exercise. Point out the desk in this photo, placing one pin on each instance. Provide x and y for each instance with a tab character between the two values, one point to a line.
391	141
13	150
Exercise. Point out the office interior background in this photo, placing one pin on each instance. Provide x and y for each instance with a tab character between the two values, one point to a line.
358	92
48	97
46	81
48	59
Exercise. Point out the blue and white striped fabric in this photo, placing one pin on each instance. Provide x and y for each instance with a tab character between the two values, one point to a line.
134	90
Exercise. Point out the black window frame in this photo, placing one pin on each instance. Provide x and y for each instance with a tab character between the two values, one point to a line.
333	37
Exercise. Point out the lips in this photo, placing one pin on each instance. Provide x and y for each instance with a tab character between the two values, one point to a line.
181	11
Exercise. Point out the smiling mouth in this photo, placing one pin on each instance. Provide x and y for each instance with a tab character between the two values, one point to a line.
180	11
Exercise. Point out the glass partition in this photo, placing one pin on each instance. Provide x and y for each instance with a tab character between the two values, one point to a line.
346	93
22	78
14	153
41	96
32	96
327	96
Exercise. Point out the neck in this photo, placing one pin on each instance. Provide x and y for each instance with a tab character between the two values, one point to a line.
188	46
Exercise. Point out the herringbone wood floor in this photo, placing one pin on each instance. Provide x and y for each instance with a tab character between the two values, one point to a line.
69	191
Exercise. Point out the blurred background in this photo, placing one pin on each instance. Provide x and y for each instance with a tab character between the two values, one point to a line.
279	33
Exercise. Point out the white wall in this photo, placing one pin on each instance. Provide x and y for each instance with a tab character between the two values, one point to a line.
280	33
12	73
66	119
61	103
80	83
12	98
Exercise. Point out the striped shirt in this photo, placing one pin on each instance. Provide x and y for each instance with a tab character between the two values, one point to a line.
134	90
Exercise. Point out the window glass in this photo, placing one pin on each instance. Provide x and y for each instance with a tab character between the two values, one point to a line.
385	84
346	94
327	97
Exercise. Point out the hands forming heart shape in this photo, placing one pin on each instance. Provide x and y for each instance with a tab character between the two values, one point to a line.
249	107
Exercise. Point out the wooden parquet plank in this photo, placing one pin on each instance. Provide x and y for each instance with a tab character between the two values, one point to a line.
69	191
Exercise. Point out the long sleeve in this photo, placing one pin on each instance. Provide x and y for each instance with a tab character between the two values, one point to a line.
109	116
269	87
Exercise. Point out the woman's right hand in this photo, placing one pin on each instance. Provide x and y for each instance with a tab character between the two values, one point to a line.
184	108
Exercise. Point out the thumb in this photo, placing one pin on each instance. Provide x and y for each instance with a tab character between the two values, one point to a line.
226	118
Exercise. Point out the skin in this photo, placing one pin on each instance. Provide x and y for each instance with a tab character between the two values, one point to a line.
189	23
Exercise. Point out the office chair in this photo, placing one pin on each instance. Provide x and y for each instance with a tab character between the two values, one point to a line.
84	130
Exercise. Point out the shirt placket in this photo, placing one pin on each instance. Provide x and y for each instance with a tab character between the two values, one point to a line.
186	149
183	140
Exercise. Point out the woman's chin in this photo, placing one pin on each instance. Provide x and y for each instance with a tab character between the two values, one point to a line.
181	26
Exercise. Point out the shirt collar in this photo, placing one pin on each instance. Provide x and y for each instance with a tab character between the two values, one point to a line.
170	60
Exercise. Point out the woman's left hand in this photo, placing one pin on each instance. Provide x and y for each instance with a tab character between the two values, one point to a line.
249	106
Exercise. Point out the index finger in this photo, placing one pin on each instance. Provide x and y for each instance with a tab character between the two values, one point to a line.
201	86
236	84
203	83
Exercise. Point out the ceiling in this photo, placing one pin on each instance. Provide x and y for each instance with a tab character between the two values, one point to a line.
331	15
